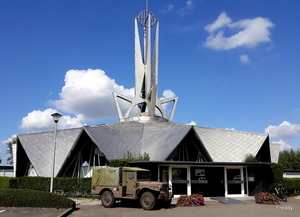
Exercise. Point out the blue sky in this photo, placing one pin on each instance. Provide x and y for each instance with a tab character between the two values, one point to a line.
232	63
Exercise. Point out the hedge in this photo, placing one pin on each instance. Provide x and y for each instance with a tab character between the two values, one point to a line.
292	185
8	182
127	158
35	183
33	198
120	162
71	187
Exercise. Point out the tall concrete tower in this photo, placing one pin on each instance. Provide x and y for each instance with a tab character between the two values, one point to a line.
145	100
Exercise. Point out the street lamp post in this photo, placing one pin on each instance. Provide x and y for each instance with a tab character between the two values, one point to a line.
56	117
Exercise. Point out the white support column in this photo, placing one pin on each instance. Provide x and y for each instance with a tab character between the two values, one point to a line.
14	151
170	177
246	181
242	178
189	184
225	181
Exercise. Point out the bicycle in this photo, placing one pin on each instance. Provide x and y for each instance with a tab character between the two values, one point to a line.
281	192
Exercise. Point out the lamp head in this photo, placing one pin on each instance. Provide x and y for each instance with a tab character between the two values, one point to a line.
56	117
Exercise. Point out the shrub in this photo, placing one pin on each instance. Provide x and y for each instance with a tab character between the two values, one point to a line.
13	183
71	187
5	182
192	200
33	198
292	185
277	173
35	183
127	158
250	158
267	198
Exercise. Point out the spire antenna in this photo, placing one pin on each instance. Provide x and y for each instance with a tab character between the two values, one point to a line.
145	104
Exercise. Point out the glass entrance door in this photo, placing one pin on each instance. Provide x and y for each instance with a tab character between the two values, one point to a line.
234	182
179	181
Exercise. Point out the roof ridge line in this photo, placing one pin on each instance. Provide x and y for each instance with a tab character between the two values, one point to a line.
238	131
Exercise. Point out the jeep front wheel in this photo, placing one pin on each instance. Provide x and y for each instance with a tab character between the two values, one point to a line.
107	199
148	200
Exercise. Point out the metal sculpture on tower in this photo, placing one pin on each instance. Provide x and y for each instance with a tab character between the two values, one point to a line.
149	106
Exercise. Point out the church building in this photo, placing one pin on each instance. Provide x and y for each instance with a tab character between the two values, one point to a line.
192	159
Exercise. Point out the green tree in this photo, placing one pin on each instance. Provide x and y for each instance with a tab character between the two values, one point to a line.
290	159
250	158
127	158
277	173
9	143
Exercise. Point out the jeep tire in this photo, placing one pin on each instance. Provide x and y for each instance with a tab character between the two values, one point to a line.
107	199
148	200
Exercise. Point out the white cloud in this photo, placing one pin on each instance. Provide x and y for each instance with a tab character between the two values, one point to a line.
42	120
192	123
89	92
283	145
251	32
189	6
223	20
170	7
168	94
230	128
88	95
4	142
3	154
284	130
244	58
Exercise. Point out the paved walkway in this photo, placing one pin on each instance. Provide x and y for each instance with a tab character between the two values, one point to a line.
211	208
30	212
228	200
87	208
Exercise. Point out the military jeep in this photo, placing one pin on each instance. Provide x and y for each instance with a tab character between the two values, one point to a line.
130	183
